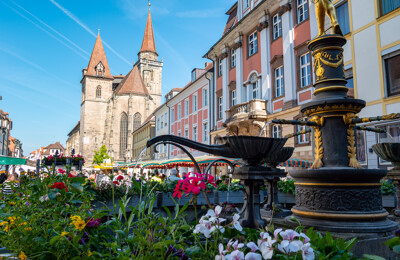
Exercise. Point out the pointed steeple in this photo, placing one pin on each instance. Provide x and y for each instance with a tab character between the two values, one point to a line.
148	43
98	65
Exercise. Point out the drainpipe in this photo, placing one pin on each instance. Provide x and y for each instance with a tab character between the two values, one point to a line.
169	126
210	103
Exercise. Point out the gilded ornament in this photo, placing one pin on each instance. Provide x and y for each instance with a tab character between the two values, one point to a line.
319	150
351	148
323	7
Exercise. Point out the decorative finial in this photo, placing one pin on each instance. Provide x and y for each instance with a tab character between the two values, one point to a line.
149	4
98	30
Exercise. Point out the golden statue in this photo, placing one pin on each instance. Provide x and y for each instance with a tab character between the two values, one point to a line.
323	7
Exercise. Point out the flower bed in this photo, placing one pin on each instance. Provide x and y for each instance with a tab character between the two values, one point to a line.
53	218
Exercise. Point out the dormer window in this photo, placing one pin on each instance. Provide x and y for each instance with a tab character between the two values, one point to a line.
99	69
194	75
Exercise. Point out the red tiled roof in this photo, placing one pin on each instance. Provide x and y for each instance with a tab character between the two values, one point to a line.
132	84
148	43
98	55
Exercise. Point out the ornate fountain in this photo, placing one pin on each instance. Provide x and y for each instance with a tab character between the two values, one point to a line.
253	151
336	194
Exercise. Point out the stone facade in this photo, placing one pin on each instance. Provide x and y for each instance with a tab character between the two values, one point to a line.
113	107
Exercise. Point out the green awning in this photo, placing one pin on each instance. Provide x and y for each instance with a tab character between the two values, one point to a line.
5	160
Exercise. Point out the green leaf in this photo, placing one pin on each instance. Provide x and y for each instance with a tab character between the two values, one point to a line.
76	187
396	249
372	257
349	244
167	210
80	180
194	251
392	242
53	240
75	201
184	208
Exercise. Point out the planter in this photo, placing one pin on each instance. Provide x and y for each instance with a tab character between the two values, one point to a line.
388	201
286	198
47	163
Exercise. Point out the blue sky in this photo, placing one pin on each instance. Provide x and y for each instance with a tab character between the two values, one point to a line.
45	44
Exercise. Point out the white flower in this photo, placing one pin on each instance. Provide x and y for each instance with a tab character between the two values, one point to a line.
236	223
306	238
295	246
235	255
276	233
252	246
222	252
237	245
289	234
307	252
284	246
266	248
253	256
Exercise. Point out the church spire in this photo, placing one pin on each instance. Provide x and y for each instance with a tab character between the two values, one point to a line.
148	43
98	64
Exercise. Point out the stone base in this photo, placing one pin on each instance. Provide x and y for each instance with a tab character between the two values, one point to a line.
380	226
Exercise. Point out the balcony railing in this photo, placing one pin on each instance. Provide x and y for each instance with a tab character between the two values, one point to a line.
256	108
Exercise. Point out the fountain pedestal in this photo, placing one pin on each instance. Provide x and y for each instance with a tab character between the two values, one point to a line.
336	194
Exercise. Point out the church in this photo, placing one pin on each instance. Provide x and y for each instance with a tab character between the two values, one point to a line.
113	106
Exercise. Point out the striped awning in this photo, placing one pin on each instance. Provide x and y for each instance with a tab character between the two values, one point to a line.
5	160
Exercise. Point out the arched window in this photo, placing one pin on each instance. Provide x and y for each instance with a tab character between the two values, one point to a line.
123	135
255	91
137	121
98	92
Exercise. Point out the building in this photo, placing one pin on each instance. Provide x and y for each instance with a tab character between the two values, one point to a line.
5	129
113	107
373	59
15	148
51	149
140	136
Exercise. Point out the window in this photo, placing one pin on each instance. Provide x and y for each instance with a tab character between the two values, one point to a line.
302	139
233	97
233	58
165	116
219	67
194	103
99	69
246	4
276	131
387	6
123	135
158	124
186	107
252	42
277	26
219	107
343	17
162	122
195	133
279	87
179	111
172	115
98	92
205	132
302	10
205	97
186	133
194	75
392	135
392	74
137	121
305	70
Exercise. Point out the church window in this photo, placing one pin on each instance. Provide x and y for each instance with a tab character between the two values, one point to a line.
137	121
99	69
123	135
98	92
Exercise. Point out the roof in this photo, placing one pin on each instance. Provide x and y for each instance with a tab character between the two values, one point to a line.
118	76
232	19
132	84
176	89
149	119
56	145
76	127
148	43
98	55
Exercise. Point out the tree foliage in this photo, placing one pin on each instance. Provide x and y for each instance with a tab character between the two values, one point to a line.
100	155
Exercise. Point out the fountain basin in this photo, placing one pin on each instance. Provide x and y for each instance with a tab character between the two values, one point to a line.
389	152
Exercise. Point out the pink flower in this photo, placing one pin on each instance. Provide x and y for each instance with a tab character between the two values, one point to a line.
93	222
61	171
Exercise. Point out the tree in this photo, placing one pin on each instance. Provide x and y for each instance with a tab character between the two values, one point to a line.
100	155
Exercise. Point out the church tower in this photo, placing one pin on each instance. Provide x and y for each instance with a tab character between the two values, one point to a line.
96	92
149	67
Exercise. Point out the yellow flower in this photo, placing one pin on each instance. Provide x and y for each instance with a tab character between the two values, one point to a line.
3	223
12	220
7	228
16	181
64	234
12	203
28	229
22	256
75	218
89	253
78	222
23	224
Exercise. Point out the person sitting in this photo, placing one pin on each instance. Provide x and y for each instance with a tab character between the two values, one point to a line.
173	176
